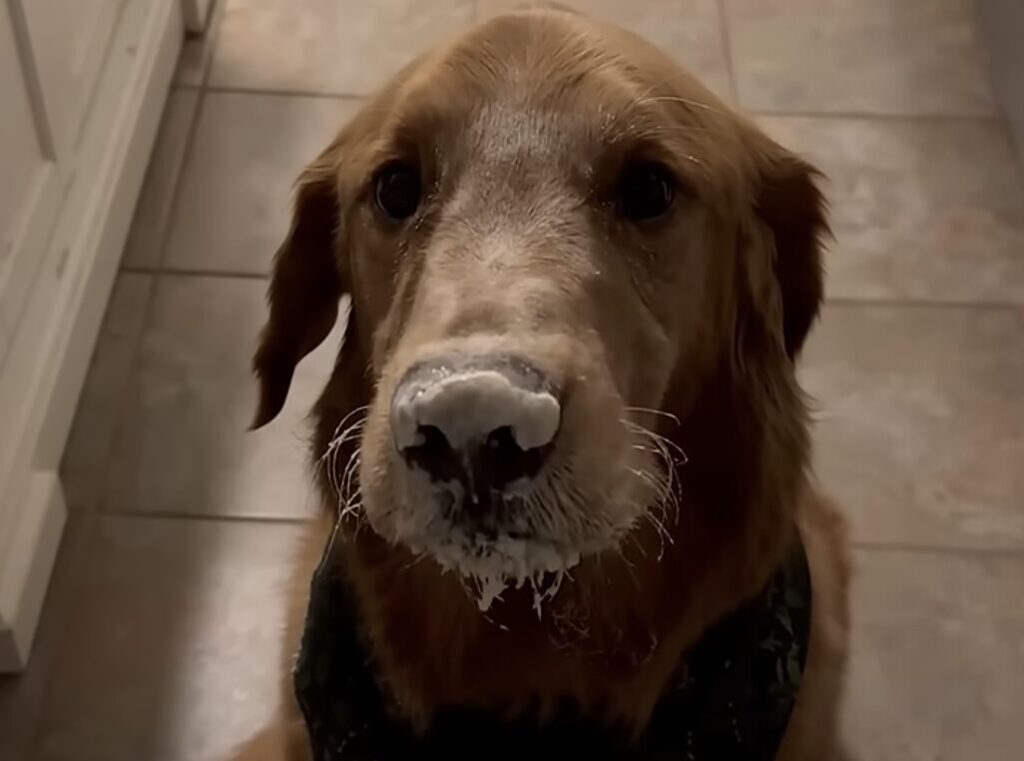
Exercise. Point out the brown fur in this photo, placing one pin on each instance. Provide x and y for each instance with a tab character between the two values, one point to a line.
712	341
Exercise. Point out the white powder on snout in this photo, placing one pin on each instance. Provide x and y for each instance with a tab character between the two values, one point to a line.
492	566
464	404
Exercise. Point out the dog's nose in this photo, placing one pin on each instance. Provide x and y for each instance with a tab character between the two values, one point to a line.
483	421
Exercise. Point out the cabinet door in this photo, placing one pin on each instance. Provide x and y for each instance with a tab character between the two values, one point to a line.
68	43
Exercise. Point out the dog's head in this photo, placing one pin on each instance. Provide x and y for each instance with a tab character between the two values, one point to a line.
556	245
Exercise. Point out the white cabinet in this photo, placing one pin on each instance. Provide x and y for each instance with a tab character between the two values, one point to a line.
82	86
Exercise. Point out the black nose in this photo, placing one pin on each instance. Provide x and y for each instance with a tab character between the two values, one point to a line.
482	467
485	422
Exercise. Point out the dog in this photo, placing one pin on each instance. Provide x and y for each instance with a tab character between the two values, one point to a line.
564	437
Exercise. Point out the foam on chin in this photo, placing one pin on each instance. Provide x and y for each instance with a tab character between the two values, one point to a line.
488	564
494	565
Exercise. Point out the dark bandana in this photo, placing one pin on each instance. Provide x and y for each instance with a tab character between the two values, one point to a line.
730	700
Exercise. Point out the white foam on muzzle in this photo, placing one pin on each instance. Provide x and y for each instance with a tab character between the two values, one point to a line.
468	406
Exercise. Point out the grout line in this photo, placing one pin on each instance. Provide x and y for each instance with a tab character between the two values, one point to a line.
193	272
935	118
180	515
183	164
905	303
213	38
278	93
730	69
937	549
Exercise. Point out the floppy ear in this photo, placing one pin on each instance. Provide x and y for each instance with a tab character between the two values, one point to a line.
792	207
305	287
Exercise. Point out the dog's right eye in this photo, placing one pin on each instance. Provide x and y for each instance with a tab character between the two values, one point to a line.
645	191
397	189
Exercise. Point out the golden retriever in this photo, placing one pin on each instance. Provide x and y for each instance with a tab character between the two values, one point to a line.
564	431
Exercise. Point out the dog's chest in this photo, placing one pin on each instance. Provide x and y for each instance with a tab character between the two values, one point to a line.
730	699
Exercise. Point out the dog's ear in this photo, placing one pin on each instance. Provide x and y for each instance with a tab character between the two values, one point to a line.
305	287
790	205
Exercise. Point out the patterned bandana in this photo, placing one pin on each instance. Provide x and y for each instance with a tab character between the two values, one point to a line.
730	700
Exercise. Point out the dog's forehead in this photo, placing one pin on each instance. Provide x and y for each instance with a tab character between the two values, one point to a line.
542	83
557	89
503	131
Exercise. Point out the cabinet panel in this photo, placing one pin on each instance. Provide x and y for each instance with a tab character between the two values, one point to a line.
29	192
20	152
68	41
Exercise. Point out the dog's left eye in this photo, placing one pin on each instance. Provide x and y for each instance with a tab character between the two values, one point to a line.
397	189
645	191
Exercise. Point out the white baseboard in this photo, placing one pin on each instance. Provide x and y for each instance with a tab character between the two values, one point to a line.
36	539
69	297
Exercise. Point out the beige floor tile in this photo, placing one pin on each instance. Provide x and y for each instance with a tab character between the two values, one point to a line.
938	658
920	422
171	649
182	445
875	56
690	30
342	47
86	455
234	200
921	209
153	209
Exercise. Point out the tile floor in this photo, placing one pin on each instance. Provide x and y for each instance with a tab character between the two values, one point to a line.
160	636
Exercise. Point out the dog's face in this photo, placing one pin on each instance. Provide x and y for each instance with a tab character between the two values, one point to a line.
552	238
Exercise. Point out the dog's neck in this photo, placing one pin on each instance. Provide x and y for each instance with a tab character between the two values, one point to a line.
732	697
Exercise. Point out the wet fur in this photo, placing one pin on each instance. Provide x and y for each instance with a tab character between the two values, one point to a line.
616	632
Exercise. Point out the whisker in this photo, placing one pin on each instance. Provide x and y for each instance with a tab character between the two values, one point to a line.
340	430
351	469
663	533
677	99
351	510
654	411
656	438
341	482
